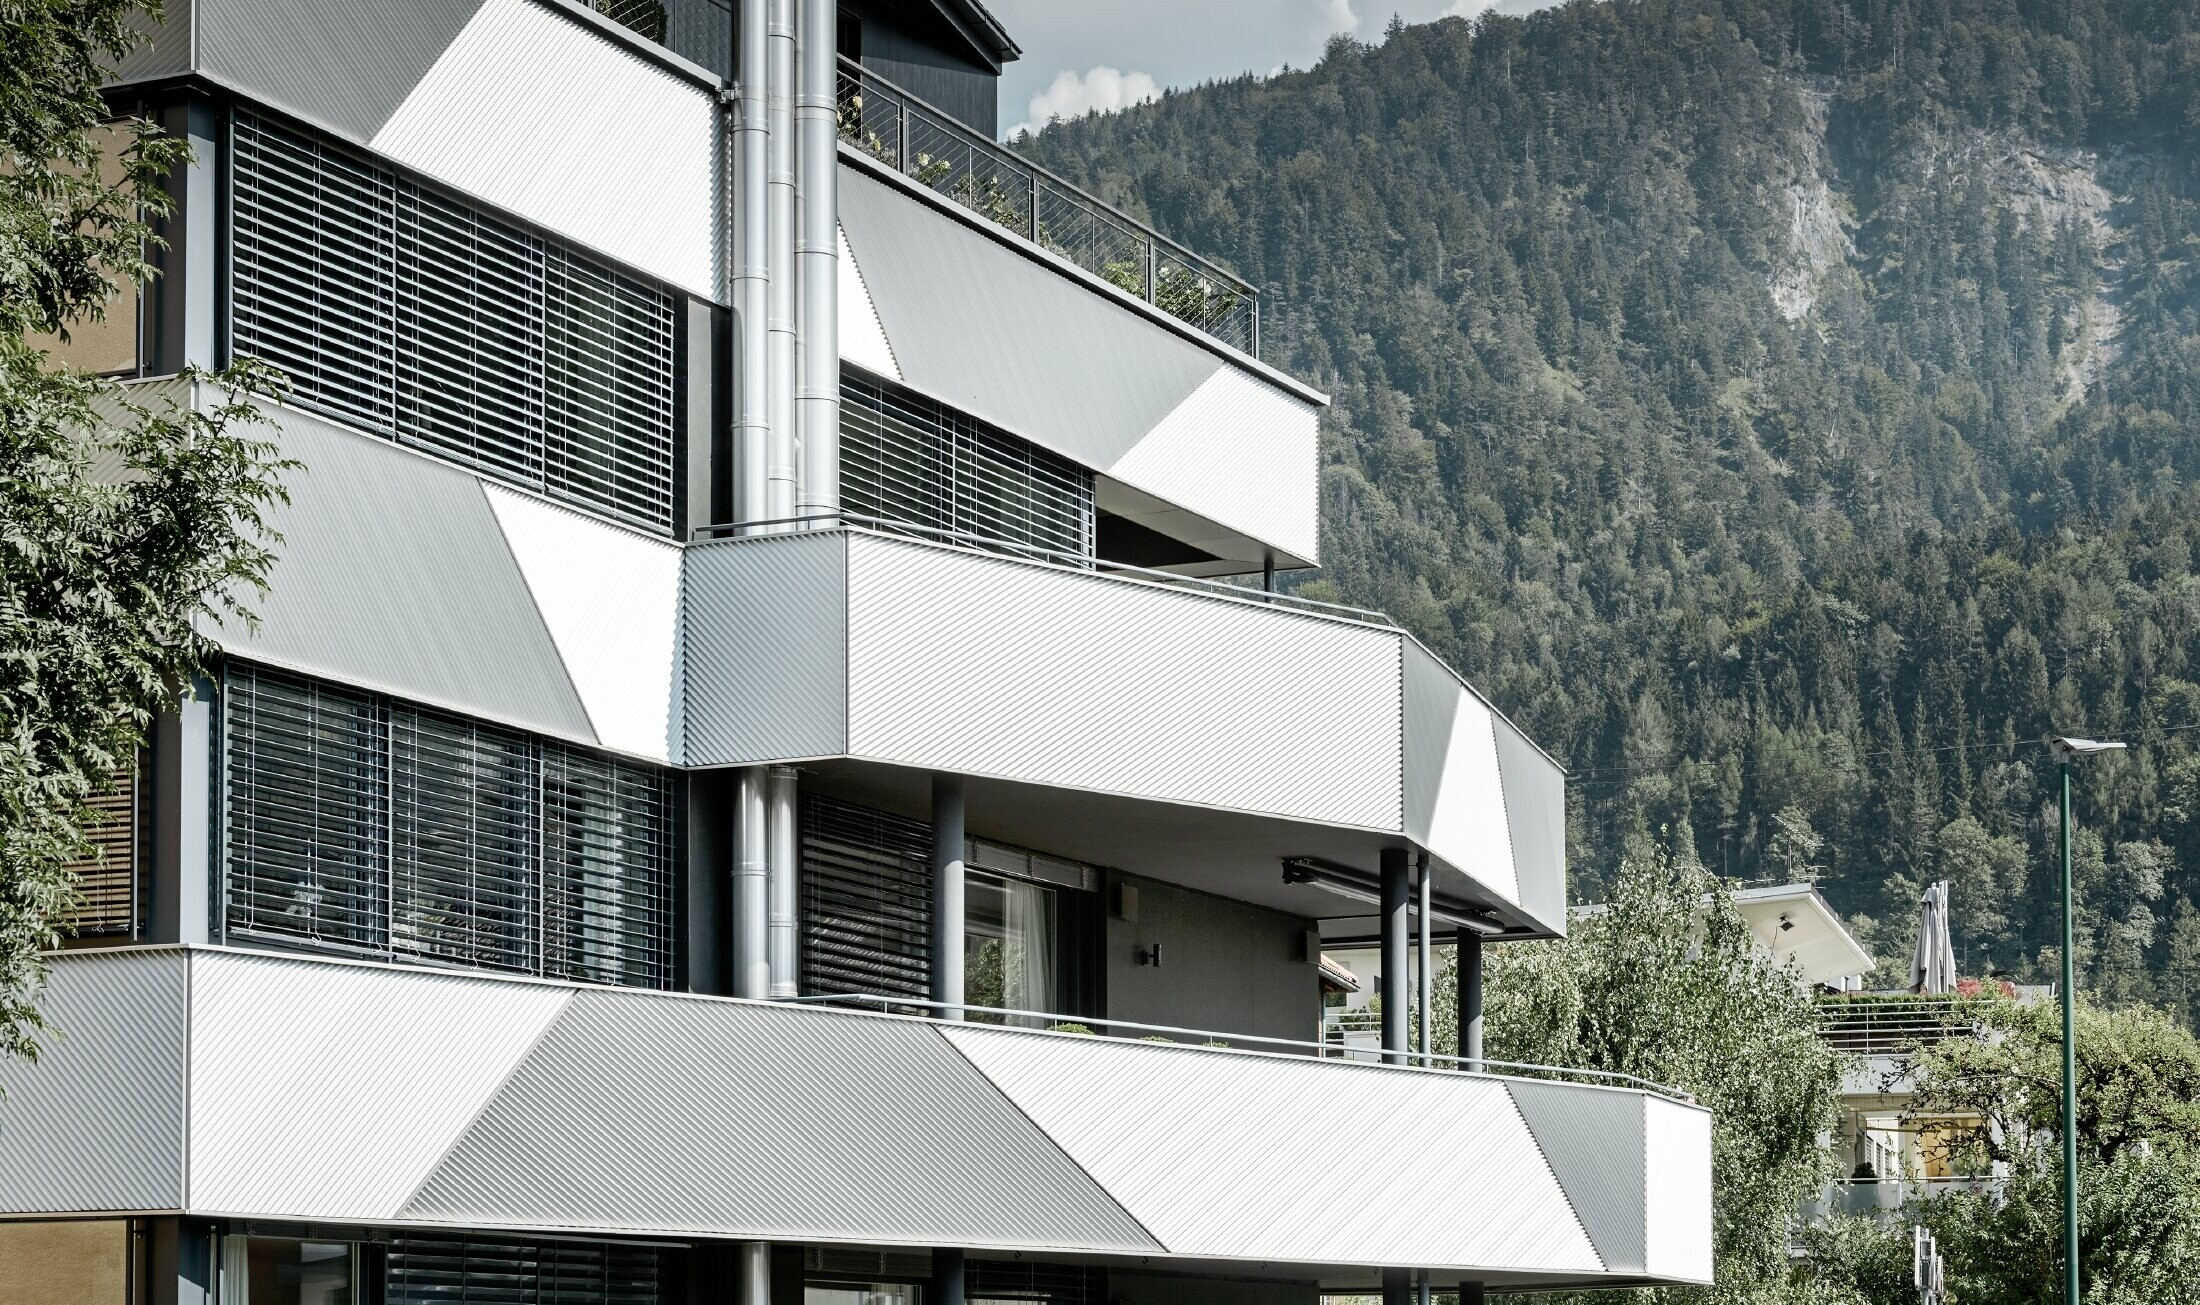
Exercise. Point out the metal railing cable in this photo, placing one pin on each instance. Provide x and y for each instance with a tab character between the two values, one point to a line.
1081	561
1060	1024
931	147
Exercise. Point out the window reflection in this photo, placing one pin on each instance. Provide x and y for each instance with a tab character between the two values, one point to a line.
1008	946
274	1271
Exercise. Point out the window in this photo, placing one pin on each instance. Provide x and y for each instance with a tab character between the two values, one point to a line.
437	1270
905	458
358	823
277	1271
1008	946
107	881
430	322
869	1293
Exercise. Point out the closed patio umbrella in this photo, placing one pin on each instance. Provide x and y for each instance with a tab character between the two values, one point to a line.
1933	968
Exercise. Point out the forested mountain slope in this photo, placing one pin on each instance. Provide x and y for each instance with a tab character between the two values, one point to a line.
1788	410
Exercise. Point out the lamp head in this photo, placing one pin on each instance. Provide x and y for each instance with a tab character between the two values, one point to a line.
2067	748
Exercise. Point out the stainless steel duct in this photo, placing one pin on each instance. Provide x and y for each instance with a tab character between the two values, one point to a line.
948	903
779	226
751	897
1397	967
817	257
751	269
781	890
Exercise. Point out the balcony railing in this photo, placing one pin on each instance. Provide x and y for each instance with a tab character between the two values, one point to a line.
928	146
1894	1028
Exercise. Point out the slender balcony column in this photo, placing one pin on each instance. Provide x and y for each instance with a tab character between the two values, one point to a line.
782	888
947	1277
753	1273
1397	969
752	970
1424	991
1398	1287
947	892
1470	1001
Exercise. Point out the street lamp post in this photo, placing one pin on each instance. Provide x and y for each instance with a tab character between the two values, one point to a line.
2065	749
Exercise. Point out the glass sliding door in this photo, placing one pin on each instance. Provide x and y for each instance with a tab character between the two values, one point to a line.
1008	947
861	1293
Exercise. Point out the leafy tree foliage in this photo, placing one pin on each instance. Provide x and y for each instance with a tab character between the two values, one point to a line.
111	544
2138	1166
1668	984
1788	410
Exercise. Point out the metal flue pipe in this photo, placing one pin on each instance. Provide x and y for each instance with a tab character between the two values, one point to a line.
817	258
781	890
779	226
751	271
751	895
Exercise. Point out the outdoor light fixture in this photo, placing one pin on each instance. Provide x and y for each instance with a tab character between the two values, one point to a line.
1345	883
2065	749
1785	923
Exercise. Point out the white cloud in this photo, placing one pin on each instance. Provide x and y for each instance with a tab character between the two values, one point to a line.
1339	16
1469	9
1073	94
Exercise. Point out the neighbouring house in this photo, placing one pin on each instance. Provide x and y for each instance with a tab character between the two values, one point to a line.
747	786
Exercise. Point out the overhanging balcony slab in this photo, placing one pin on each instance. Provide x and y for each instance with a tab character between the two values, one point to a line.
310	1090
1196	735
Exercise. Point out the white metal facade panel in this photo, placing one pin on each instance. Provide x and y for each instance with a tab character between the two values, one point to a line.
392	575
1213	1151
1677	1190
530	110
611	600
1238	431
1042	354
97	1121
964	662
328	1091
862	339
1535	813
1455	804
764	649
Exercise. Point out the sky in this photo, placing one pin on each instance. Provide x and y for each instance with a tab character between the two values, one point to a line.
1106	54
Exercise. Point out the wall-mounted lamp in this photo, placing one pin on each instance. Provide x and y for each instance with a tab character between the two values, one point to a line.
1150	956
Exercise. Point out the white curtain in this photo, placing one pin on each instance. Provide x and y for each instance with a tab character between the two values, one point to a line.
236	1279
1028	966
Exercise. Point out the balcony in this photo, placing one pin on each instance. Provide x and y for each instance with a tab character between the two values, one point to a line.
1894	1027
1200	734
1883	1198
248	1085
927	145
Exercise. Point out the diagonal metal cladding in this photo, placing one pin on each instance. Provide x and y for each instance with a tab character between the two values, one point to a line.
640	1112
1212	1151
394	575
1593	1139
97	1121
348	66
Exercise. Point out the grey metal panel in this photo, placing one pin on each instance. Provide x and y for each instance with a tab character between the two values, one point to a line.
1535	810
392	575
1212	1151
1009	340
307	1094
344	66
167	52
764	1121
1593	1139
764	649
97	1122
986	665
1431	703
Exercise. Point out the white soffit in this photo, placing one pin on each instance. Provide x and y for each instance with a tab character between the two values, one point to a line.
531	111
1676	1190
1211	1153
611	601
862	338
1236	430
330	1091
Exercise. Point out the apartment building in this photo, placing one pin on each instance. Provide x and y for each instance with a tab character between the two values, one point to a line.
773	768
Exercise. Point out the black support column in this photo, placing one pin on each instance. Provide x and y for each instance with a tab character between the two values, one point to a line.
946	1287
1397	967
1398	1287
1470	1000
947	893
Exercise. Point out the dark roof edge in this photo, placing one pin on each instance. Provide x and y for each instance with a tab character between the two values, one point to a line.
981	28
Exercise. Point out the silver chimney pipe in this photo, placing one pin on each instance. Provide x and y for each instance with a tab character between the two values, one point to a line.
817	257
779	226
751	270
751	440
781	889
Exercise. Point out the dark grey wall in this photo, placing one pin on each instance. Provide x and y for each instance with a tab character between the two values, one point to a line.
1224	965
929	65
1154	1289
